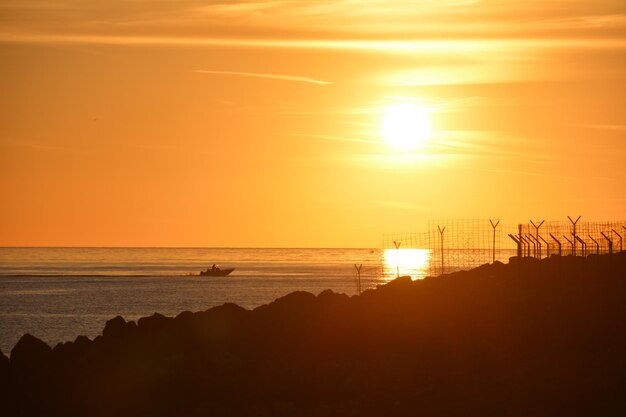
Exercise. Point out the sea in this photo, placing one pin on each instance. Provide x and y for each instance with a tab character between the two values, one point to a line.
57	294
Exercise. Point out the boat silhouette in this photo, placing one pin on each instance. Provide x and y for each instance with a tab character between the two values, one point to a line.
217	272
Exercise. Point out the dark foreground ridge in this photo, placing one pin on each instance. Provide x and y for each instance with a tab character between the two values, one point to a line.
531	338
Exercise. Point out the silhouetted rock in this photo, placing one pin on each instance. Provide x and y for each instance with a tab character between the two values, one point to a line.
153	323
82	342
540	338
184	316
30	355
4	363
6	390
402	281
115	327
297	300
4	373
330	297
64	353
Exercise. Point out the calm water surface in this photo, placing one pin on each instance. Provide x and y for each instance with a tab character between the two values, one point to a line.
57	294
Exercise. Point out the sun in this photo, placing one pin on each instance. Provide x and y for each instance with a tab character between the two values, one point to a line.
405	126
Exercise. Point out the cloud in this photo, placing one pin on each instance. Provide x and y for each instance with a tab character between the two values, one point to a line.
423	47
320	19
523	173
618	128
295	78
337	138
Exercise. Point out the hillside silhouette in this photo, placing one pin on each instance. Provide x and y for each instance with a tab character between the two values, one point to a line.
528	338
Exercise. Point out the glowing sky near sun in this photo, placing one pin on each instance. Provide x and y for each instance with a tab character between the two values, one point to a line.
262	123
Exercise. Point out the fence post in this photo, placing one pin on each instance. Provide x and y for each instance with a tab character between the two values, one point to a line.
573	233
441	233
610	243
493	258
597	245
558	242
620	240
526	245
535	243
397	245
358	282
571	244
583	246
537	236
547	246
518	243
531	239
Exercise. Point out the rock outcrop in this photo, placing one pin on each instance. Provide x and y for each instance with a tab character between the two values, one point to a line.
539	338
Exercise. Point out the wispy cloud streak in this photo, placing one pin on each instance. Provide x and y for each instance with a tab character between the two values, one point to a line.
421	46
337	138
437	18
524	173
295	78
618	128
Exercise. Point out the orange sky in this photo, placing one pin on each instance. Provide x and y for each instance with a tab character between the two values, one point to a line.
257	123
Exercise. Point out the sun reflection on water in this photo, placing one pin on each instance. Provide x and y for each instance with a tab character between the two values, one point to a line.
413	262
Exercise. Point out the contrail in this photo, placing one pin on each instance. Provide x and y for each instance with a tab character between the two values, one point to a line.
334	138
270	76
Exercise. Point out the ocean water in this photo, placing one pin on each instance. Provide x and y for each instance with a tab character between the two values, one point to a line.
57	294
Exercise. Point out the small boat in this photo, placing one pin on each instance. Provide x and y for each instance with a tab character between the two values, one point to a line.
217	272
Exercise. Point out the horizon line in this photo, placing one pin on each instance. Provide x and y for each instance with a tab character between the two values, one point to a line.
184	247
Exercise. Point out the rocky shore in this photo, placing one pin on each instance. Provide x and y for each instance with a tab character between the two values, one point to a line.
528	338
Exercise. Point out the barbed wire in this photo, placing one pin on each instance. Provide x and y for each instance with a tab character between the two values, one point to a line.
459	244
